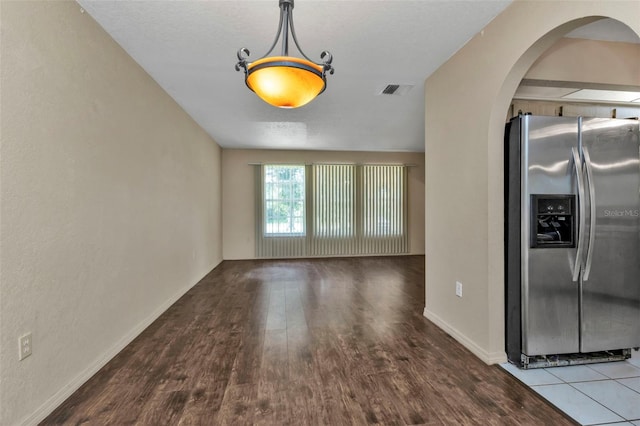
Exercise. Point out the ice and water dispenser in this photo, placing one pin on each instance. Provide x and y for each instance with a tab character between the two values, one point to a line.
553	220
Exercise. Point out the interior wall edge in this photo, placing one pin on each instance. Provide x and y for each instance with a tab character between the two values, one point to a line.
475	253
67	390
110	203
580	14
485	356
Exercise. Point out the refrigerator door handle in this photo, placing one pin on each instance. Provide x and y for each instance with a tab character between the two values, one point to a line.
577	163
592	211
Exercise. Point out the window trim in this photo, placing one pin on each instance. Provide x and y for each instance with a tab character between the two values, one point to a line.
265	201
309	244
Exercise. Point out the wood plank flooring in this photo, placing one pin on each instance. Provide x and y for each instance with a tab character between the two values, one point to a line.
320	342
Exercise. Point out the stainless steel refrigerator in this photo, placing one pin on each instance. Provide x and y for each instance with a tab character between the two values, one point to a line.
572	238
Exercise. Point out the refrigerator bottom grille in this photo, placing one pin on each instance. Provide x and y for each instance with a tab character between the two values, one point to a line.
544	361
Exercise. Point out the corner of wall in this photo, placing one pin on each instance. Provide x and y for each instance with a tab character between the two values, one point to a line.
111	205
487	357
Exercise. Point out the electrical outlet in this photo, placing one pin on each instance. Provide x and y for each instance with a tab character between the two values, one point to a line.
458	289
24	346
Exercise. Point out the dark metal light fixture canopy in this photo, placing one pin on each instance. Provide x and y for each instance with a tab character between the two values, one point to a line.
285	81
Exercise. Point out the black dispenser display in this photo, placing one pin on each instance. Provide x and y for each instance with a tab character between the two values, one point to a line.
552	221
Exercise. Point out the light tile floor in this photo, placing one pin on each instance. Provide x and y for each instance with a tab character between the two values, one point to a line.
593	394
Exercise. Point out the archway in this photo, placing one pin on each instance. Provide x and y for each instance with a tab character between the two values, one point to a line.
464	227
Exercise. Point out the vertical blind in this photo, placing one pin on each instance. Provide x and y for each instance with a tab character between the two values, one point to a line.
383	210
350	210
334	210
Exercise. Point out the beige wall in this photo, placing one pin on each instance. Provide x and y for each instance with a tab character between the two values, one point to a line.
603	64
464	217
238	191
110	202
589	61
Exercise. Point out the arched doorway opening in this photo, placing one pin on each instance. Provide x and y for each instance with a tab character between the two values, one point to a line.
483	77
526	61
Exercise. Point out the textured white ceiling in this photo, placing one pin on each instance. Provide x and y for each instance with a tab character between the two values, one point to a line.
189	48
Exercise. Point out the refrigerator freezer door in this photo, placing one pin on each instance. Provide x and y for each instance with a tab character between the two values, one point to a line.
610	288
550	304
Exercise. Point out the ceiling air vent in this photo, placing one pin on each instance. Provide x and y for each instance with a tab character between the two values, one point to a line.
396	89
390	89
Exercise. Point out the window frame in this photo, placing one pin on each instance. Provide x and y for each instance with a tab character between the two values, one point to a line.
291	216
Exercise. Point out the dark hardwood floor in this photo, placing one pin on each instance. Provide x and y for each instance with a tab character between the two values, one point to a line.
323	341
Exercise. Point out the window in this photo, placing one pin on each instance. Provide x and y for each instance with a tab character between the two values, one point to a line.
330	209
284	200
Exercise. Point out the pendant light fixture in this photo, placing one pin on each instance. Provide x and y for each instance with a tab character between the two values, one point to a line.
285	81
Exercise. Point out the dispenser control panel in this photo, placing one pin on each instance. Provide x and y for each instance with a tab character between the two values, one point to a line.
552	221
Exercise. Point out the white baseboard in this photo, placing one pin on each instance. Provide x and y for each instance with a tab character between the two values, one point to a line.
66	391
486	357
